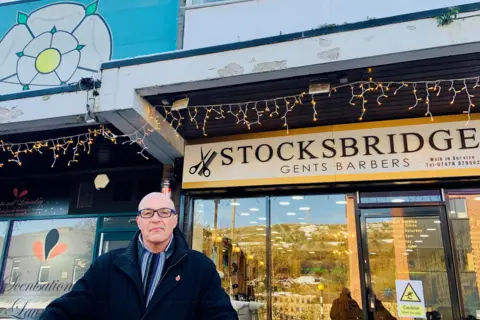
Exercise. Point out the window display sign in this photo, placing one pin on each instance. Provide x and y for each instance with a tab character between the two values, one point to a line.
44	260
400	149
33	200
410	300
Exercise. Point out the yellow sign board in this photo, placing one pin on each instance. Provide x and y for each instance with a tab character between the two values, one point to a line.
410	299
409	295
411	311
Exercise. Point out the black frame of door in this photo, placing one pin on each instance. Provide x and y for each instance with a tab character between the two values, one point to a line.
364	260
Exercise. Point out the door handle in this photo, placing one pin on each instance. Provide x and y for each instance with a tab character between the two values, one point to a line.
371	302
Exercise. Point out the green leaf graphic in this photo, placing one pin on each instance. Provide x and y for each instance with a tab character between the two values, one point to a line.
91	9
80	47
20	54
22	18
26	87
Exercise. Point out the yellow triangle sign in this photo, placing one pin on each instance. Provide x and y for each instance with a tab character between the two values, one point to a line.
409	295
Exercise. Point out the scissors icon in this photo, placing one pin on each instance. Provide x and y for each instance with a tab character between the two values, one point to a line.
202	166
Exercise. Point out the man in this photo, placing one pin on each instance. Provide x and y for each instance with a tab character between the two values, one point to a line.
156	277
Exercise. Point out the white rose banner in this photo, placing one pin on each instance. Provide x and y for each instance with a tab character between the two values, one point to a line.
52	46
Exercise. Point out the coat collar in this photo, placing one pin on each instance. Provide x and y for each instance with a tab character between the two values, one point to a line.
127	262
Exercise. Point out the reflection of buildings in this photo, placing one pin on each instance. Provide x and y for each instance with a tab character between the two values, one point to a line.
38	282
465	215
309	259
415	244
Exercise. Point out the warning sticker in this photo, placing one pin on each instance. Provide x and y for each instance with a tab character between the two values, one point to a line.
409	295
411	303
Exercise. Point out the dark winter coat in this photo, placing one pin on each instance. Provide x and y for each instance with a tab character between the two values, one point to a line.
190	289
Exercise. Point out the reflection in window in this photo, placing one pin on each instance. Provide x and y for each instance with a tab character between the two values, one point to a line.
232	232
44	275
400	196
40	257
15	271
3	233
79	269
464	208
314	257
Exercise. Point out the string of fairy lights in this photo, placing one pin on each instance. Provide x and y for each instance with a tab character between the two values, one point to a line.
248	114
72	145
252	113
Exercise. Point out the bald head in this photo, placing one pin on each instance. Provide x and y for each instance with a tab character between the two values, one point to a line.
156	200
157	229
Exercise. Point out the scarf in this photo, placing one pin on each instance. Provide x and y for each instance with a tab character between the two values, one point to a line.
151	265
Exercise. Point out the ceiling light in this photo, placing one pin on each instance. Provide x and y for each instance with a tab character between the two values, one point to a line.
437	221
279	238
276	244
284	203
262	218
373	253
260	229
398	200
253	222
419	241
297	198
304	209
453	212
254	209
245	214
424	236
309	238
431	229
312	252
235	204
291	214
301	218
101	181
341	202
409	250
289	250
275	232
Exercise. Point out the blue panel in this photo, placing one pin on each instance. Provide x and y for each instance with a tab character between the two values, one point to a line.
48	44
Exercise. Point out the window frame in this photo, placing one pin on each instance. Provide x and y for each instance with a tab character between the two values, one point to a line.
40	274
12	282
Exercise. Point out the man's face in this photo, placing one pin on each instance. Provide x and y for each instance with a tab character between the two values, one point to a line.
157	230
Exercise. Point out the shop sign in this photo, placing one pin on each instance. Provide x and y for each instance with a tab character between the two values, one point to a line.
410	300
391	150
25	201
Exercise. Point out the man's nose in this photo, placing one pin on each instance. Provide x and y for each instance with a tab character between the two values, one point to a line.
156	218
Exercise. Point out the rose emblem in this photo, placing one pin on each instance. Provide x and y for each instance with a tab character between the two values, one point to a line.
54	45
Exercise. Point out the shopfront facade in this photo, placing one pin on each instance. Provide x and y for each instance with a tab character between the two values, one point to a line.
386	210
51	230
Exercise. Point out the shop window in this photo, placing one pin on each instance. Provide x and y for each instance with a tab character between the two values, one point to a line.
232	233
464	214
40	258
314	254
44	275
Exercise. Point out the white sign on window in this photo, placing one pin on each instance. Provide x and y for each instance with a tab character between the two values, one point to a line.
410	299
405	149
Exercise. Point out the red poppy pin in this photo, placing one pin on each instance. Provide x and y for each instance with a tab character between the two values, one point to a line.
177	278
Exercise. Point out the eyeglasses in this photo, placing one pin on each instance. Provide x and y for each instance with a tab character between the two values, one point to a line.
162	213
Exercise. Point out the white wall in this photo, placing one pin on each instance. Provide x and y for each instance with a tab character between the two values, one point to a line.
252	19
